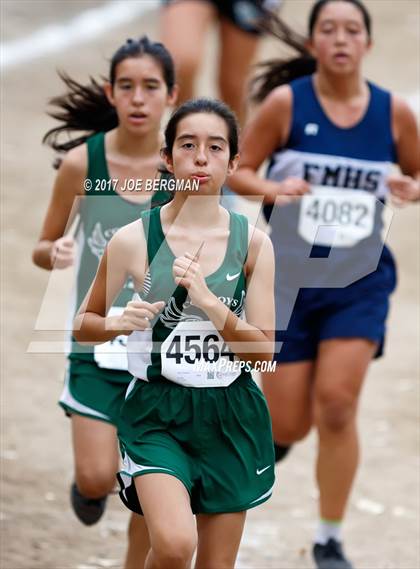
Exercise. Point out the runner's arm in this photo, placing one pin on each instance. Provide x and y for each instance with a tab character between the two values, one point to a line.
62	207
124	256
267	131
407	142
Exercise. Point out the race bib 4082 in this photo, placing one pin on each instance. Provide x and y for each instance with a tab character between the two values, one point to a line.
336	217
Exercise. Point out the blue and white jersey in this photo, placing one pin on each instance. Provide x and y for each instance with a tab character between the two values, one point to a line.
346	167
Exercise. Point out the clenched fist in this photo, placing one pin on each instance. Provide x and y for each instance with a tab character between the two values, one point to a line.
62	253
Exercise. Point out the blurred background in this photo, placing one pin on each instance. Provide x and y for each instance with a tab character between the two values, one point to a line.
39	530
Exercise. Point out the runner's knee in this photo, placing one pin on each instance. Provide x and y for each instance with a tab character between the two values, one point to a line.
93	483
173	548
334	412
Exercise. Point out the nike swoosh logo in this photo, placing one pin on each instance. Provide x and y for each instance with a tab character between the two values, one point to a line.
262	470
231	277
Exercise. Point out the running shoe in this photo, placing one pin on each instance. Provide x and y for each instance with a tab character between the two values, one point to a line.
88	510
330	556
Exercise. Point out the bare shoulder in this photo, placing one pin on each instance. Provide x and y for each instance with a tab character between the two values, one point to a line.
259	246
402	114
258	238
400	106
281	95
128	238
279	100
76	160
73	170
273	117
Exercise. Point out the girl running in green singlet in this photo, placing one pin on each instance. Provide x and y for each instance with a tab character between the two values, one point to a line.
195	431
122	119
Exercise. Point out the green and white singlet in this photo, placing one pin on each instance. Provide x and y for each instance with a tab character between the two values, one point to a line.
182	335
102	212
210	428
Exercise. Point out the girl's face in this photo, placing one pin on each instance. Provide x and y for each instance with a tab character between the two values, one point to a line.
139	94
339	40
201	152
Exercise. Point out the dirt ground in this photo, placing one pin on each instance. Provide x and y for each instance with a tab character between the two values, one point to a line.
39	531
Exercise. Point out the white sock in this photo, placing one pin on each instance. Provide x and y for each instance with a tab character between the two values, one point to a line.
326	530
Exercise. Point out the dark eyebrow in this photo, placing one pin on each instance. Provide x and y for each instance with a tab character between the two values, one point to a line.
147	80
348	21
216	138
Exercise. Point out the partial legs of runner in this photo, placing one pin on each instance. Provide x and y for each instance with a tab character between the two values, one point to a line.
138	543
340	369
172	528
183	31
288	391
96	460
238	49
330	401
96	456
219	537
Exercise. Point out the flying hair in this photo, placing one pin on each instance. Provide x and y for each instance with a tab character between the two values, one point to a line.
277	72
85	108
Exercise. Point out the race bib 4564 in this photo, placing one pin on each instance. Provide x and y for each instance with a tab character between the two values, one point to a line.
192	356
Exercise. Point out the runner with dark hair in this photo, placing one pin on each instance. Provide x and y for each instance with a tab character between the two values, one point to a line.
195	430
121	143
331	137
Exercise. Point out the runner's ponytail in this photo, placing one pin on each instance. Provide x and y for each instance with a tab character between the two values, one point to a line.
84	108
276	72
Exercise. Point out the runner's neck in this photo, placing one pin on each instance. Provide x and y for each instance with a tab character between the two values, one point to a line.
124	143
342	89
194	211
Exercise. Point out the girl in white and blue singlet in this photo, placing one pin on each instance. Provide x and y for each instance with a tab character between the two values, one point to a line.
331	137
